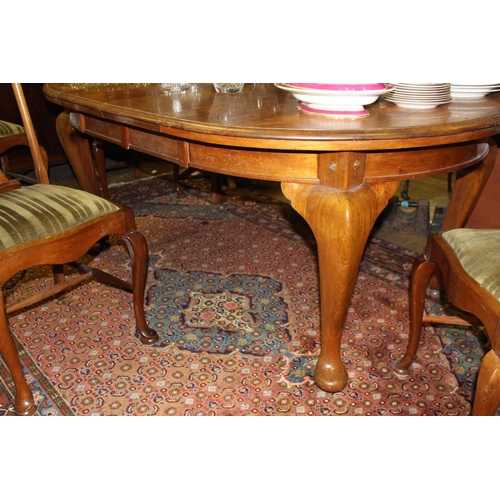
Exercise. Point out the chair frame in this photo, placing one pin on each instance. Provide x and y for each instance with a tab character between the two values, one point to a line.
61	249
466	294
8	142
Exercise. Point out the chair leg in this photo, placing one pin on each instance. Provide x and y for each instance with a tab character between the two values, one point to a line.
487	398
138	249
177	179
58	273
421	273
99	159
24	403
218	195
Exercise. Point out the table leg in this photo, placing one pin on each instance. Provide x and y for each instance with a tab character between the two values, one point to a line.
341	222
467	190
77	149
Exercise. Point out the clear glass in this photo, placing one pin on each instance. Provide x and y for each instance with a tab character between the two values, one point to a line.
228	88
174	87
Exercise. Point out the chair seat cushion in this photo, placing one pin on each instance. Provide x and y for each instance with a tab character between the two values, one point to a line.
478	250
43	210
7	128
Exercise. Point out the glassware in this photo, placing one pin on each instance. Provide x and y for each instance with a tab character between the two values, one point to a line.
174	87
228	88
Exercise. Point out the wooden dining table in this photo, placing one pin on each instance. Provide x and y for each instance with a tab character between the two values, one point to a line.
338	173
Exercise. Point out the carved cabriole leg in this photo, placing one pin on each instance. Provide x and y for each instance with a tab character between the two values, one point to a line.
421	273
341	222
487	397
77	149
138	249
24	403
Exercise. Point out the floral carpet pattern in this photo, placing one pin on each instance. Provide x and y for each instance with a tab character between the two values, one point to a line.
233	292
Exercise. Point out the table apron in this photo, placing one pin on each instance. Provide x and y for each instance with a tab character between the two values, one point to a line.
283	165
423	162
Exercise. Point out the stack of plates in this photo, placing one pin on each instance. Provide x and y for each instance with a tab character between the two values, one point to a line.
338	100
472	91
419	95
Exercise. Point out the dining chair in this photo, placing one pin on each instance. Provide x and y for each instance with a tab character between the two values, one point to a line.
13	135
468	263
45	224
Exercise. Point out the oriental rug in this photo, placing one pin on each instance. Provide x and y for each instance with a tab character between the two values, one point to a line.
233	292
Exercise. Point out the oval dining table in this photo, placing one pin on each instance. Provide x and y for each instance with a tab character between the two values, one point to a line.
338	173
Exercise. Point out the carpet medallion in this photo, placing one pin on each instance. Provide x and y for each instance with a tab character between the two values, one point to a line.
233	292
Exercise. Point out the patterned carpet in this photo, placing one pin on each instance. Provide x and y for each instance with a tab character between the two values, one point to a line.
233	292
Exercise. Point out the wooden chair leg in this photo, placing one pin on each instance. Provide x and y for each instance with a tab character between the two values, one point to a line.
58	273
24	403
178	177
218	195
138	249
99	159
421	273
137	171
487	398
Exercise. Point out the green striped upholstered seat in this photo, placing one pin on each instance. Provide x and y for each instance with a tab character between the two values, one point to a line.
7	128
478	250
43	210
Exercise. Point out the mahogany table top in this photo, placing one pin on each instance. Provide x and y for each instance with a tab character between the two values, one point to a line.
264	116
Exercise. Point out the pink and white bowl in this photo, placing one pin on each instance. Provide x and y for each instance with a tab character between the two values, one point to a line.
334	99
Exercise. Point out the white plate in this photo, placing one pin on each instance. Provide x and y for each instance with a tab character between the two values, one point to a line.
415	104
421	92
412	105
472	92
419	96
443	98
421	86
335	97
476	85
413	97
